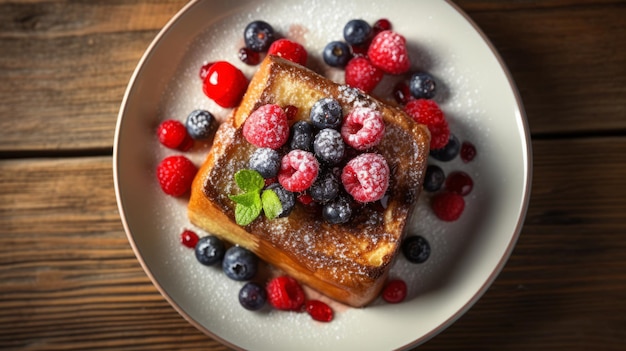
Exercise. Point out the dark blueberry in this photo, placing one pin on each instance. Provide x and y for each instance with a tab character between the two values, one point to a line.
448	152
301	136
357	32
252	296
200	124
434	178
239	263
326	113
265	161
325	188
416	249
329	146
337	211
209	250
287	198
258	35
422	85
337	54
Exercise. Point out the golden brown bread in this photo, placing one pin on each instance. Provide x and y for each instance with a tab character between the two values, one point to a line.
347	262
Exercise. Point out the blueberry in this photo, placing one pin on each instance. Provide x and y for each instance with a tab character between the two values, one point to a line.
266	161
422	86
326	113
258	35
329	146
200	124
416	249
301	136
357	32
287	198
434	178
239	263
209	250
337	211
337	54
448	152
325	188
252	296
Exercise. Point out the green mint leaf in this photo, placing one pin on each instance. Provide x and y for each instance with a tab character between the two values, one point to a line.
271	204
248	207
249	180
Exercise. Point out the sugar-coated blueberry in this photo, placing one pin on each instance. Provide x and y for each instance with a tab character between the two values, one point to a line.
422	85
326	113
266	161
325	188
301	136
449	151
329	146
416	249
252	296
433	178
200	124
239	263
336	54
357	32
337	211
258	35
209	250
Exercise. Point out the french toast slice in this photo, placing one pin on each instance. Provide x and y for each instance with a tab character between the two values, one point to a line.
346	262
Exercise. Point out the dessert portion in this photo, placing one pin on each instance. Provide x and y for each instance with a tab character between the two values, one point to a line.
345	251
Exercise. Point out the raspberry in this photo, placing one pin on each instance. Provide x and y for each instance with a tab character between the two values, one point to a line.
173	134
366	177
468	151
361	74
395	291
285	293
320	311
459	182
298	170
225	84
363	128
427	112
267	127
175	175
289	50
189	238
447	206
388	52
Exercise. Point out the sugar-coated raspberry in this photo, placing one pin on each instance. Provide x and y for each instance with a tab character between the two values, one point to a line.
298	170
173	134
366	177
267	127
363	128
395	291
427	112
388	52
289	50
361	74
175	175
447	206
225	84
285	293
319	311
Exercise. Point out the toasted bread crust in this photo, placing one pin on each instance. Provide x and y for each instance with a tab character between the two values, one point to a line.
347	262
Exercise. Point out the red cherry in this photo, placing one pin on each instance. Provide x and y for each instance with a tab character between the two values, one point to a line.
468	151
225	84
395	291
459	182
189	238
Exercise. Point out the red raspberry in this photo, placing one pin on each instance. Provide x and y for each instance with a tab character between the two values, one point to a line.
427	112
298	170
388	52
395	291
459	182
225	84
173	135
267	127
189	238
285	293
366	177
363	128
362	75
468	151
175	175
320	311
447	206
289	50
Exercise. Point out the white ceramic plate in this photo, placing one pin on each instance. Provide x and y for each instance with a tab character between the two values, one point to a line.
481	104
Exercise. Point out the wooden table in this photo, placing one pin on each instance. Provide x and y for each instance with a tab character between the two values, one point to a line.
68	276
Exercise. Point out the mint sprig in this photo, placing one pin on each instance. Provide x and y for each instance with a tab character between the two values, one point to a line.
251	202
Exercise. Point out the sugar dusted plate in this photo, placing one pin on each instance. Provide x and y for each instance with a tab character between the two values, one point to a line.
482	106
